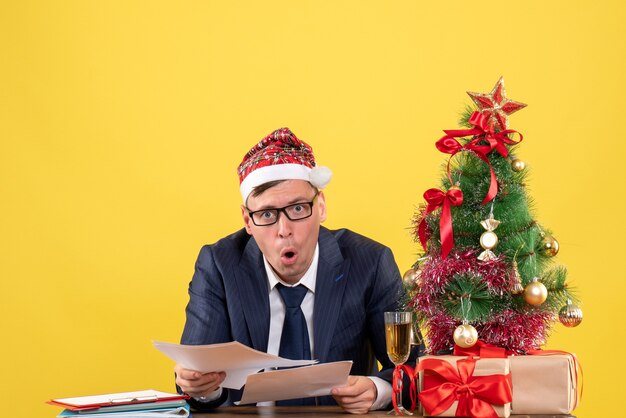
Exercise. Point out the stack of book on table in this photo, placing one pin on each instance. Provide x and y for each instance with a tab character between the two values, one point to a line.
145	403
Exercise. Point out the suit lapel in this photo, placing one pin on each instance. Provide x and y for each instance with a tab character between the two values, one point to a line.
332	272
252	289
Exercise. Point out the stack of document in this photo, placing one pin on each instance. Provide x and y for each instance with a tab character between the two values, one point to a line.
141	404
304	378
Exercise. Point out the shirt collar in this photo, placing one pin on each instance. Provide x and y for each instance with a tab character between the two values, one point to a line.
308	280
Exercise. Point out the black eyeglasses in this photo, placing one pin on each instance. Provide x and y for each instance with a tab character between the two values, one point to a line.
295	212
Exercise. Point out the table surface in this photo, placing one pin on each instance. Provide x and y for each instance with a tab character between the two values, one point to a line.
310	411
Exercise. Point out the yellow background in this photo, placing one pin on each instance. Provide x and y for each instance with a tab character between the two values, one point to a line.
122	123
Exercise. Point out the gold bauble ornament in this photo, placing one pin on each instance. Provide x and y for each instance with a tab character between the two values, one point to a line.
411	278
549	246
517	280
535	293
518	165
416	335
456	186
465	335
570	315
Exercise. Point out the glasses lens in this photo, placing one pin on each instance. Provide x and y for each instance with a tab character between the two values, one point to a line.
298	211
265	217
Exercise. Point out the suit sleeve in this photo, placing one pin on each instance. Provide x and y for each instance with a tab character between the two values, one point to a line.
385	297
207	320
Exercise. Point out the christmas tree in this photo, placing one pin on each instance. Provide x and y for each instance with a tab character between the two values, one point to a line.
487	269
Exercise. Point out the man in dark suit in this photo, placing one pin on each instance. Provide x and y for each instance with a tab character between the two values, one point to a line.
243	284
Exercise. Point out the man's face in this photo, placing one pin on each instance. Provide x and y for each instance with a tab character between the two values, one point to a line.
287	245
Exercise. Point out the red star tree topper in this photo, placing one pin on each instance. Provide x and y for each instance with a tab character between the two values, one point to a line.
496	106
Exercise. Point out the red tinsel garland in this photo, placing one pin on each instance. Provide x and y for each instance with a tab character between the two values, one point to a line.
515	331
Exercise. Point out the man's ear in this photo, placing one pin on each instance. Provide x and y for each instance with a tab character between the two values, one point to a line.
246	219
321	205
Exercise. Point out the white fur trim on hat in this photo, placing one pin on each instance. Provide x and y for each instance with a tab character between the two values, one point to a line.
272	173
318	176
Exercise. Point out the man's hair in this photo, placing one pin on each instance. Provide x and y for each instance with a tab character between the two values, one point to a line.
258	190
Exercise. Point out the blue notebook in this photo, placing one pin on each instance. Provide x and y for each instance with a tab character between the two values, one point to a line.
172	409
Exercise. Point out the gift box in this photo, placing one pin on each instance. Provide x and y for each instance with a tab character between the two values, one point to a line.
545	383
464	386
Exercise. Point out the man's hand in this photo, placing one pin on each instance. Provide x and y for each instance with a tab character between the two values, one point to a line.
357	396
197	384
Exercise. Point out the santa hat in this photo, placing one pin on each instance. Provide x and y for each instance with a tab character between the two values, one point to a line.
280	156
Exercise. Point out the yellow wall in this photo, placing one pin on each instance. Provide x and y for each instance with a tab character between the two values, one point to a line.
122	123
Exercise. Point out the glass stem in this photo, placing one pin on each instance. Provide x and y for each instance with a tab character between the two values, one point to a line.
399	390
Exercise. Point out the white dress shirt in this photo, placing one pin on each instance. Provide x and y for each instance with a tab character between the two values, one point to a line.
277	317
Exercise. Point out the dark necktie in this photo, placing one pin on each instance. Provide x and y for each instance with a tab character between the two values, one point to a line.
294	341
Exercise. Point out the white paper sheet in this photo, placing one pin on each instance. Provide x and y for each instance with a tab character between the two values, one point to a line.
301	382
236	359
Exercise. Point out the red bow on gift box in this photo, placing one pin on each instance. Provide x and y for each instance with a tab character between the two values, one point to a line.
475	394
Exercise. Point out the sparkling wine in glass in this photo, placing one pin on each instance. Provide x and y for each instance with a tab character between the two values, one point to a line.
398	335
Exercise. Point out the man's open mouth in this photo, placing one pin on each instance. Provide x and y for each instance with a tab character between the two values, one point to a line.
288	255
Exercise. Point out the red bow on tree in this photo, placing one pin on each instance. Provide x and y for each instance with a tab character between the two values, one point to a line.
483	131
449	145
475	394
435	199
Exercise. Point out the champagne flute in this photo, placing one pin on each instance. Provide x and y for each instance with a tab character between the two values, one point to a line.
398	335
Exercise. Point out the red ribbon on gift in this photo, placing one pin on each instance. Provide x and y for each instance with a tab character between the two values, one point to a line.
578	370
482	349
476	395
435	199
397	386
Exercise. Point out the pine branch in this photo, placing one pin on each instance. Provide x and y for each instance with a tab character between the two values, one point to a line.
468	298
465	115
